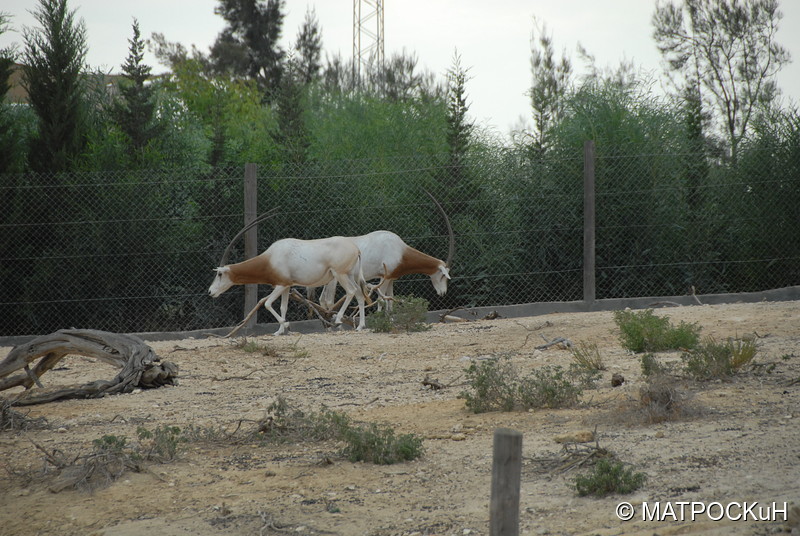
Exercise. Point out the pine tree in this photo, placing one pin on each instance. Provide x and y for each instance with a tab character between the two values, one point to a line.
10	137
548	91
309	48
134	112
54	61
459	128
459	135
292	134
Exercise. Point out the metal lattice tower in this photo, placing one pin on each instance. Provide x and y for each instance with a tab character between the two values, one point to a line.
367	35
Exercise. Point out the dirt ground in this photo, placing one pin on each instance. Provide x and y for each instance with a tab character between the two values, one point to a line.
738	440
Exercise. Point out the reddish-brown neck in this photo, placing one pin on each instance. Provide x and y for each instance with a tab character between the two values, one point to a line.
257	270
415	262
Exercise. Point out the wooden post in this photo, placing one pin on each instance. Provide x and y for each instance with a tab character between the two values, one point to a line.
589	288
251	236
506	476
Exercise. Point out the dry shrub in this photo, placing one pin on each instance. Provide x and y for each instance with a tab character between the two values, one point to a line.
587	356
14	421
661	400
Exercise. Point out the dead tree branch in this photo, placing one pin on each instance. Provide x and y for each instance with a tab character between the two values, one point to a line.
138	363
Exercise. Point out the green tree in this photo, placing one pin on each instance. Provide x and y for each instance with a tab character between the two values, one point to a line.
249	45
549	87
54	62
638	187
292	135
399	79
173	55
459	136
309	49
731	47
134	112
12	134
7	57
235	124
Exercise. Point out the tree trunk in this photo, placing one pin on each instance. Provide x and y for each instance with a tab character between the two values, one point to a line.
139	364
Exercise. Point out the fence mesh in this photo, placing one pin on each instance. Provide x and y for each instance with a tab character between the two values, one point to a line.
133	251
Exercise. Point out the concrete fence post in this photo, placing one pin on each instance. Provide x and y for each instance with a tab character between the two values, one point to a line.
589	288
506	477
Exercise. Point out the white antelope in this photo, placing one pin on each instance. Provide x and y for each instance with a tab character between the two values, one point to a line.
385	255
288	262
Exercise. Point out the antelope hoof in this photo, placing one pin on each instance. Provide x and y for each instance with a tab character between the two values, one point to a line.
284	329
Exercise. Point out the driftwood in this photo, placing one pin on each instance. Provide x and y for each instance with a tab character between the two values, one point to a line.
558	340
139	365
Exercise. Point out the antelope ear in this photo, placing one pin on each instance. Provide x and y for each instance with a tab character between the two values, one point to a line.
445	271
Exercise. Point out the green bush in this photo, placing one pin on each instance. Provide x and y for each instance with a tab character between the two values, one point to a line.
608	478
645	332
111	444
715	360
380	445
409	314
286	424
547	387
496	386
493	382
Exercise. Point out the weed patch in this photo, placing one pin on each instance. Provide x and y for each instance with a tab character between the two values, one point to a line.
661	400
587	356
111	457
496	386
651	366
380	445
712	360
363	442
269	349
408	315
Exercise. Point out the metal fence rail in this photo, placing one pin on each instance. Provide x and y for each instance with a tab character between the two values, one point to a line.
133	251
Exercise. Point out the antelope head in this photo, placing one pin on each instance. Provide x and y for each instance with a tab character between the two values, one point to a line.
222	280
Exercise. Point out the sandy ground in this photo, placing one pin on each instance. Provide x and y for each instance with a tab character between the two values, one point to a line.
738	440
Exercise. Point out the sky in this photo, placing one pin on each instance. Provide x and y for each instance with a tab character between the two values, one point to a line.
493	42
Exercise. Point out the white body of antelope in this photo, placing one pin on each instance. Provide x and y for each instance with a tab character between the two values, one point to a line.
309	263
384	254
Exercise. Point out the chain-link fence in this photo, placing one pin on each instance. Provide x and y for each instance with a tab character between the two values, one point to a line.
134	251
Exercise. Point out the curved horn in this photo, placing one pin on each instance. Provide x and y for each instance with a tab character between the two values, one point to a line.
270	213
452	245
